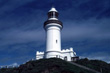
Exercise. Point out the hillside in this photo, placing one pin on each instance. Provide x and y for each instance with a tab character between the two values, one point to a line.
97	65
52	65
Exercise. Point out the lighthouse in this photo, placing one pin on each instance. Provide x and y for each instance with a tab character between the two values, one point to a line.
53	27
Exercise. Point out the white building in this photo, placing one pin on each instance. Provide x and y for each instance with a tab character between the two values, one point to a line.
53	39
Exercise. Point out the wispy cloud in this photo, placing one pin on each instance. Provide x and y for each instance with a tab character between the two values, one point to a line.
11	65
19	36
8	6
86	27
98	55
14	65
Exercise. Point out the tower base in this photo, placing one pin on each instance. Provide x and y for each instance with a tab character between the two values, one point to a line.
51	54
65	54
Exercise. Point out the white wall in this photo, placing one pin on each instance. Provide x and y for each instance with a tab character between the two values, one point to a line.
39	55
53	40
58	54
53	37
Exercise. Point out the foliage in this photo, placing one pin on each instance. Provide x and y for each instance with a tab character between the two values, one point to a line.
52	65
97	65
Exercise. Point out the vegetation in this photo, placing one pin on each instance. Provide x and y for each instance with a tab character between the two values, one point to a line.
54	65
97	65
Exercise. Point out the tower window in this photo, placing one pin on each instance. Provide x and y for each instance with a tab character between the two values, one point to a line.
56	41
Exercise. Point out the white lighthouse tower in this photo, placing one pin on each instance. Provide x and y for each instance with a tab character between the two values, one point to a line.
53	28
53	38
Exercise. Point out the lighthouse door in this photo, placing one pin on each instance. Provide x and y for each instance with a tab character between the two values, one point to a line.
65	58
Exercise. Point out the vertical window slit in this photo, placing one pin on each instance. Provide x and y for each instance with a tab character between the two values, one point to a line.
56	41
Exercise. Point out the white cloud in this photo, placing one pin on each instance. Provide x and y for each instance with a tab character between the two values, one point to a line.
11	65
108	61
14	64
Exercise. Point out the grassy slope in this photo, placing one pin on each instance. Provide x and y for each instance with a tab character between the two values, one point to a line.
52	65
97	65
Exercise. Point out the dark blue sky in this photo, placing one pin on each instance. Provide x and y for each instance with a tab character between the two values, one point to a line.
86	28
